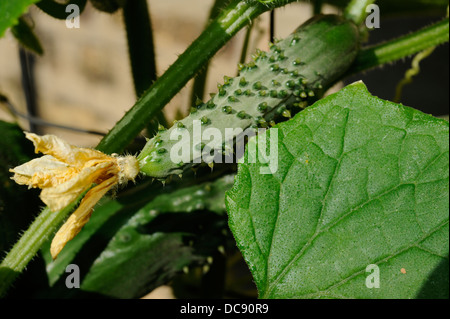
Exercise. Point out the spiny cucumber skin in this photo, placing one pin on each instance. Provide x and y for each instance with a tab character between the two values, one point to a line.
276	83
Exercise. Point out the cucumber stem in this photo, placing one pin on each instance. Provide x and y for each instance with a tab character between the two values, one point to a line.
356	10
402	47
141	51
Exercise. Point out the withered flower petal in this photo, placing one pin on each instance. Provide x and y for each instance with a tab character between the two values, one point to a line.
66	172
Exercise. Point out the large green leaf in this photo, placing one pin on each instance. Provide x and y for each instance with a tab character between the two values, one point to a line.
10	11
360	181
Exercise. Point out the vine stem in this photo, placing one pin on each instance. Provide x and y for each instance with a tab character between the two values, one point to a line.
402	47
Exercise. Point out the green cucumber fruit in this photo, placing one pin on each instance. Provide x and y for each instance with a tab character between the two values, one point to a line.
269	89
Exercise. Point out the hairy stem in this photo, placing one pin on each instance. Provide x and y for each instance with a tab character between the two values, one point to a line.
402	47
58	10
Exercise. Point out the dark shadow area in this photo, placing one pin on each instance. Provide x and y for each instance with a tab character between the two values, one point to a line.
87	255
198	227
437	285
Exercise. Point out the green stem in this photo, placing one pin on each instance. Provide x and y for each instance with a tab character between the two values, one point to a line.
29	244
141	51
402	47
233	18
356	10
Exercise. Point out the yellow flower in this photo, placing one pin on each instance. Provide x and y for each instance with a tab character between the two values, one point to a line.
67	171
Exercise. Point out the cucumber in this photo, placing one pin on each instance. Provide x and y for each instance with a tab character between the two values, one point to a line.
267	90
